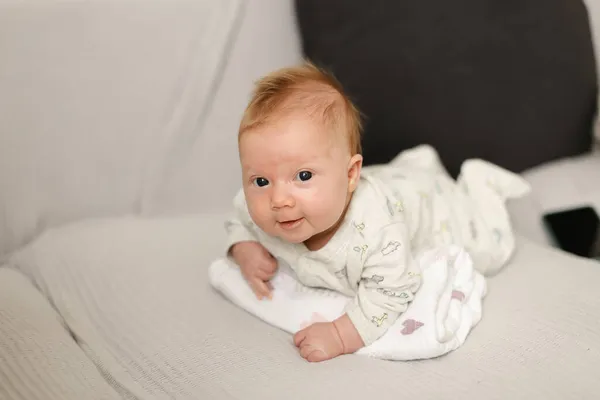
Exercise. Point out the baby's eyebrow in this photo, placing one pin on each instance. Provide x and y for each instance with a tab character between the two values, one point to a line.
251	172
246	168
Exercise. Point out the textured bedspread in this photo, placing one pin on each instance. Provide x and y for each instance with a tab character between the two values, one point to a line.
135	296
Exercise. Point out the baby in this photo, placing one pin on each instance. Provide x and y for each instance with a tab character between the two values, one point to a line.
306	201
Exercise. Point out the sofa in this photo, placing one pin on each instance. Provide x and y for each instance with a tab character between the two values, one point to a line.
118	166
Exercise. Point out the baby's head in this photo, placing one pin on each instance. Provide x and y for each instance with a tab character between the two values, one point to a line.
299	143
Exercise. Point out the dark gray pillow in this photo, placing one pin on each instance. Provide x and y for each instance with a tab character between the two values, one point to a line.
511	81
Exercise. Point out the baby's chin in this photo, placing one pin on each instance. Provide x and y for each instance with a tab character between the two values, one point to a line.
294	239
294	236
288	237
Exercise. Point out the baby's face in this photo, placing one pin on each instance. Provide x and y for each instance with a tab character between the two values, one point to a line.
297	177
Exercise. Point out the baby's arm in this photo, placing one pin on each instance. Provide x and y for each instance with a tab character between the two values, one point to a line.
389	280
256	264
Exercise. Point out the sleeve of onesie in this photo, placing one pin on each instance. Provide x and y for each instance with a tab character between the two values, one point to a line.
239	226
389	280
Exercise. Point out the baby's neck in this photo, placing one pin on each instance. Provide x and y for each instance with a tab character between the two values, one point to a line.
319	240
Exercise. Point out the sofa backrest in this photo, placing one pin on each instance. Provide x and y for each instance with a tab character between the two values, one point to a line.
514	82
593	10
126	107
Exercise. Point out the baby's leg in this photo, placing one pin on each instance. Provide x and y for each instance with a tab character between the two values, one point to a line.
487	232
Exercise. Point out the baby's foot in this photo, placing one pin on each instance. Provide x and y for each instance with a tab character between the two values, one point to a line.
423	157
506	183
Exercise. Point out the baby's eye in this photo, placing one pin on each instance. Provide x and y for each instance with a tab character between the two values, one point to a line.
304	175
260	182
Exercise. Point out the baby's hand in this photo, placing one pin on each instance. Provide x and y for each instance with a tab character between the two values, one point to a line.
258	266
325	340
319	342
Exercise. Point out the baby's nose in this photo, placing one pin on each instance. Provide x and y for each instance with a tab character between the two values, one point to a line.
282	198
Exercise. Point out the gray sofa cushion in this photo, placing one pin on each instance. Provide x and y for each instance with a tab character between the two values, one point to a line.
510	81
135	293
39	360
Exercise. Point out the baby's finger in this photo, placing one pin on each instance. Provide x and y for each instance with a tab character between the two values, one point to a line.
317	355
299	337
270	263
267	274
248	274
267	253
312	354
261	289
254	288
262	275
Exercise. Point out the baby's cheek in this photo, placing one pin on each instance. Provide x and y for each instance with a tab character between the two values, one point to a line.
329	207
259	215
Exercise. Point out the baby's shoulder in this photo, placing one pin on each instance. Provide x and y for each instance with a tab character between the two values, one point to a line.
374	205
239	200
241	212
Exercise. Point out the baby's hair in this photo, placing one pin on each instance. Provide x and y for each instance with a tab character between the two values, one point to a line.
305	88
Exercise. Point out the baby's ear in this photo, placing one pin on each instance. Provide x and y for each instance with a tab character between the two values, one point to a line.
354	168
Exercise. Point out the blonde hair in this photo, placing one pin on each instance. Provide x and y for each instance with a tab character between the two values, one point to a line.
304	88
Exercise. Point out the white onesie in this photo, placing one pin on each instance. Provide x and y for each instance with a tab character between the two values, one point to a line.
398	210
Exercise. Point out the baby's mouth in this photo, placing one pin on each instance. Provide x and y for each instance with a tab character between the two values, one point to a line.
290	224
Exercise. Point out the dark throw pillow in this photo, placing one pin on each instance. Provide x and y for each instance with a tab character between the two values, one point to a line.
510	81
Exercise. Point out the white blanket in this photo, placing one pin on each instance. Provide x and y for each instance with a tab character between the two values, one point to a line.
445	309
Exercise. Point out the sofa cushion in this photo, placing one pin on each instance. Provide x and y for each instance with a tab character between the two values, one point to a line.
513	82
135	293
39	360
